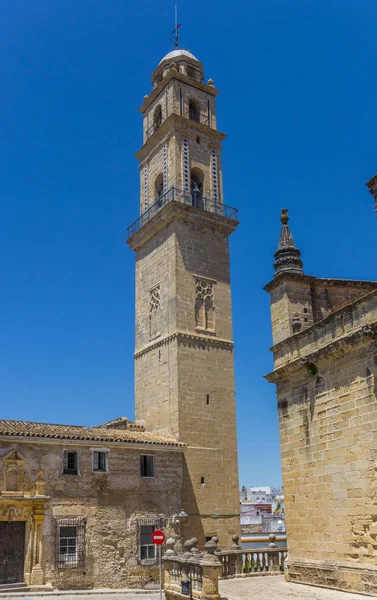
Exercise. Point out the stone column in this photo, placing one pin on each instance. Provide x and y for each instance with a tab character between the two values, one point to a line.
211	571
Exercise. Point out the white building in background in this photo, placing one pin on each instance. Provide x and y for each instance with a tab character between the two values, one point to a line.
261	500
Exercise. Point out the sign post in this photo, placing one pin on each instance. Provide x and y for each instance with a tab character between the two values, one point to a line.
158	538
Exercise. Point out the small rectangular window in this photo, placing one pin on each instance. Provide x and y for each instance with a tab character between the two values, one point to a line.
100	461
147	547
70	463
70	543
68	554
207	398
147	465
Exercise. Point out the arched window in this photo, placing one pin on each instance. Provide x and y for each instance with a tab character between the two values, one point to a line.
157	117
197	186
159	187
194	110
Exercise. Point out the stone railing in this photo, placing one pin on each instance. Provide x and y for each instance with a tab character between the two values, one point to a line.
241	562
192	573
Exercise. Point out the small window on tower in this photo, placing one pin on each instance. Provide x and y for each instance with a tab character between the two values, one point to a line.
157	117
198	139
194	110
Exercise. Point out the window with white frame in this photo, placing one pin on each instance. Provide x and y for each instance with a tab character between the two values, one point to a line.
146	465
100	461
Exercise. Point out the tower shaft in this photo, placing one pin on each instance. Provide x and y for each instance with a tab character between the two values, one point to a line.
184	373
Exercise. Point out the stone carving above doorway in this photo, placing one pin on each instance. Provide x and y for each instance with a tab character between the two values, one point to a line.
14	472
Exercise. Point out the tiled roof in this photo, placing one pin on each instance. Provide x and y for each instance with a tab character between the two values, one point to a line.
75	432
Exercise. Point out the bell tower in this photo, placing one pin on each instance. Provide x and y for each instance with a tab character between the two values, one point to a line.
184	373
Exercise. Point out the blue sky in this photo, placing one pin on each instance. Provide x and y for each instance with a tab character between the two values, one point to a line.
298	102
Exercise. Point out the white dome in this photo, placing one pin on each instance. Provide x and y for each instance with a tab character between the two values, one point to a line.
176	54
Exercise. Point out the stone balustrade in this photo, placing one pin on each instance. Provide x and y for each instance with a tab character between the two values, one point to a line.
196	574
240	562
191	573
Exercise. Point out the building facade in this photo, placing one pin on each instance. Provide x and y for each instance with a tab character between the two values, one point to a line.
78	505
325	371
184	372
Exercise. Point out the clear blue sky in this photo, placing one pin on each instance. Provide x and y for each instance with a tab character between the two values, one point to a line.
298	101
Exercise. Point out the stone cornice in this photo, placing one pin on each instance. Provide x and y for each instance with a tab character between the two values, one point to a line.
287	276
181	336
182	212
168	125
336	348
173	74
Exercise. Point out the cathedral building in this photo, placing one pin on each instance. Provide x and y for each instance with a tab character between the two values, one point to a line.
78	505
325	370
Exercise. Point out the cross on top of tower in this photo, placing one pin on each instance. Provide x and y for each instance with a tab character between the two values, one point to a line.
175	33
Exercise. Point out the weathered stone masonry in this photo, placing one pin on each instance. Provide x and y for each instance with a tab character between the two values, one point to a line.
325	370
109	506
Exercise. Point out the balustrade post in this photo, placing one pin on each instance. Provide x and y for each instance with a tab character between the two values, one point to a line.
273	554
211	567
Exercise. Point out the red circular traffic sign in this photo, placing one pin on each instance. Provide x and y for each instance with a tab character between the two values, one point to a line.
158	537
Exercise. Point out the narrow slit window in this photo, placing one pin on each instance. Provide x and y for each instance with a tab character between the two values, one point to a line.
207	398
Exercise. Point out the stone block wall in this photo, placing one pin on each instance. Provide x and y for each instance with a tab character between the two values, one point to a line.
111	504
308	300
326	387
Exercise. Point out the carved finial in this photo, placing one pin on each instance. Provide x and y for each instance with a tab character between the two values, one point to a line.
170	542
194	549
287	254
284	216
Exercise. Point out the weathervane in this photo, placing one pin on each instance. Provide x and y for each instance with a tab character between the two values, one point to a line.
175	33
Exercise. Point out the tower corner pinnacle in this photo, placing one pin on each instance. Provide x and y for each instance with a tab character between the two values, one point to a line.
287	255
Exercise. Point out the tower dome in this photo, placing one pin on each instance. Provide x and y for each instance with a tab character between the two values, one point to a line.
178	53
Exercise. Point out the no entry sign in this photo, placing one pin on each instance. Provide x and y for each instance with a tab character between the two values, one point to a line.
158	537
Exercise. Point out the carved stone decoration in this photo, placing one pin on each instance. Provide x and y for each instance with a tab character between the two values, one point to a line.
13	473
40	484
204	303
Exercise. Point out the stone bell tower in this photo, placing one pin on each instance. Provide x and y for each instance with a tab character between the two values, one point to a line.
184	373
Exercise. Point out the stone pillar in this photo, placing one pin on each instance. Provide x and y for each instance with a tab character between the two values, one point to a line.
37	575
238	564
211	571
